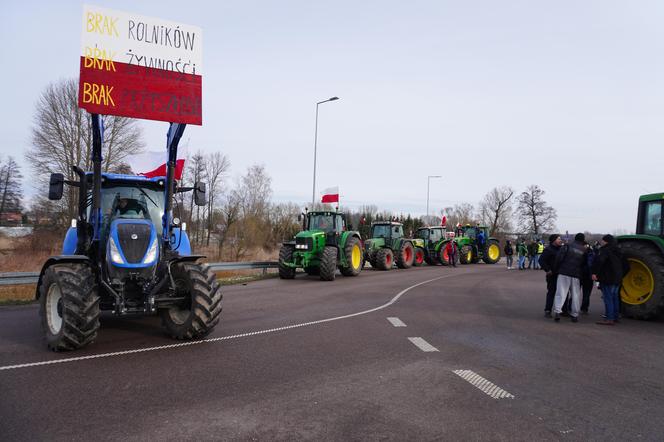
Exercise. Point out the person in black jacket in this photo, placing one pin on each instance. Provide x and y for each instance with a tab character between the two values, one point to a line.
570	264
509	254
608	268
547	262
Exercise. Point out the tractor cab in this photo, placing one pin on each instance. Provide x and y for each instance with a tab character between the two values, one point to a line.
390	231
649	218
332	224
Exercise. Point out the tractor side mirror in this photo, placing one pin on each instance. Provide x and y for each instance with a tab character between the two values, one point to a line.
299	218
56	186
200	197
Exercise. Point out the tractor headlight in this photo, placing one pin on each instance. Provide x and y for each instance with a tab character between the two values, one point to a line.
301	246
151	256
116	256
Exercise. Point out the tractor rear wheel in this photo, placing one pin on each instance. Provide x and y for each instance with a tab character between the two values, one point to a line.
466	254
418	260
443	256
384	259
492	253
354	258
199	314
69	306
286	255
642	289
405	255
328	263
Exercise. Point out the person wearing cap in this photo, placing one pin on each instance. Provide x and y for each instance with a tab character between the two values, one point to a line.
609	268
570	263
547	261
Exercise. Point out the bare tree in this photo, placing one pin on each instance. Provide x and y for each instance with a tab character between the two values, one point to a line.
463	213
11	193
217	166
496	209
196	172
535	216
62	138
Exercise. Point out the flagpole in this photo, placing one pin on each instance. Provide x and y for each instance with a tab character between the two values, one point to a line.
313	192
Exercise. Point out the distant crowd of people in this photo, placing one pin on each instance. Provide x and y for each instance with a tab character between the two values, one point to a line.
572	269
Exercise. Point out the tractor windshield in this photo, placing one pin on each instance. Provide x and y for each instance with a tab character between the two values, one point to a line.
380	231
422	233
321	222
132	202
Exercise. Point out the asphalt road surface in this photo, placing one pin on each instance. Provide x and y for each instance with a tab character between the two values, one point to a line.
428	353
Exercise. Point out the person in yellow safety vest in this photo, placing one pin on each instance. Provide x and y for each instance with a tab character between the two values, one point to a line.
540	250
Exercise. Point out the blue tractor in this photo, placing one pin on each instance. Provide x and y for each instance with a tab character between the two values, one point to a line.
125	253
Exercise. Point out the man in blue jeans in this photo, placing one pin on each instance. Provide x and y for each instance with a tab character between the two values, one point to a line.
609	268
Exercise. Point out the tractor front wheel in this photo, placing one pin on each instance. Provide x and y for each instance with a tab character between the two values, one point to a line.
492	253
328	263
642	289
419	257
69	306
286	255
353	255
406	255
466	254
384	259
199	314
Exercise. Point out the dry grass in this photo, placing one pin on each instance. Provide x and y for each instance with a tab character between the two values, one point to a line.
17	294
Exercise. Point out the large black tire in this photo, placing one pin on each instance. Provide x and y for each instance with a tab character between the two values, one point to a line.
442	256
491	254
200	314
420	256
328	263
69	306
286	255
466	255
384	259
353	248
405	255
642	289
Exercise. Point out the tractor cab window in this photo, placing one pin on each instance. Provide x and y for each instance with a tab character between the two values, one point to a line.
470	232
341	224
436	234
321	222
397	231
653	218
380	231
132	202
422	233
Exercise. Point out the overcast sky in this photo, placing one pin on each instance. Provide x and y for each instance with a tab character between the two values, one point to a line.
567	94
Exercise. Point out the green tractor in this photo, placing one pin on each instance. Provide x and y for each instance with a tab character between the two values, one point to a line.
388	246
469	250
642	289
321	247
430	245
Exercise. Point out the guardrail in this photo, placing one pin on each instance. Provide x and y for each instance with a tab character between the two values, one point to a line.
22	278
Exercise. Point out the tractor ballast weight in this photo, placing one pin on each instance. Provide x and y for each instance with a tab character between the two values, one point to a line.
429	243
388	246
125	253
642	288
323	246
470	252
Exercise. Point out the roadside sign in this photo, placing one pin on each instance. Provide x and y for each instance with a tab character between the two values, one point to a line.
140	67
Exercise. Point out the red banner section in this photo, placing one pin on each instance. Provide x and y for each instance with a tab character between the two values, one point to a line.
127	90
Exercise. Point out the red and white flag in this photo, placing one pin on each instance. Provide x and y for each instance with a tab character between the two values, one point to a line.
330	195
443	222
153	164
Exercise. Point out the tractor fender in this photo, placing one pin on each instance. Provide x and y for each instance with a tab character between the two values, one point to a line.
61	259
655	242
344	238
288	243
185	258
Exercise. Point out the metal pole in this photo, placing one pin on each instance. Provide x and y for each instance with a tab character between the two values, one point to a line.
313	193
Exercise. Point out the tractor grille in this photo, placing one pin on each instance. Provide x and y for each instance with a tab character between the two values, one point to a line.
134	249
308	243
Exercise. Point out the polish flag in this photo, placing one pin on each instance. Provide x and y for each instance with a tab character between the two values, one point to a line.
330	195
443	222
153	164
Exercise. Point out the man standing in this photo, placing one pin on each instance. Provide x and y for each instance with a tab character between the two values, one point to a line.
570	263
587	282
547	263
608	269
540	250
509	254
451	249
521	251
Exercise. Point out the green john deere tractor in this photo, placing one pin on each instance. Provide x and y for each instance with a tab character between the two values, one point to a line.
470	252
321	247
642	290
388	246
429	245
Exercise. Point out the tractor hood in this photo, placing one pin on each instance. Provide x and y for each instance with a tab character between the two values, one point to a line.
309	240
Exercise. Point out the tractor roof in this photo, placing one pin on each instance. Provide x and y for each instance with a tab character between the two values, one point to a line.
119	177
432	227
652	197
387	223
324	212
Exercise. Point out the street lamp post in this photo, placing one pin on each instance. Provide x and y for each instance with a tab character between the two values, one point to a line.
313	194
428	182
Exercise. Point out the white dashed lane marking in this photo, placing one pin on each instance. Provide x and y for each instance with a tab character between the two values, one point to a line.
422	344
484	385
396	322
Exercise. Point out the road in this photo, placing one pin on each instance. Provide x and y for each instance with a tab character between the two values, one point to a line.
311	360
